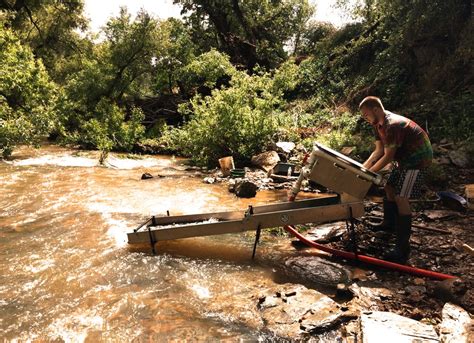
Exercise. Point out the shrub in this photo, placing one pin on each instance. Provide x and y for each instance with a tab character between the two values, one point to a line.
109	130
240	120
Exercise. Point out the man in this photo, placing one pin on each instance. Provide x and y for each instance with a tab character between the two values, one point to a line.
402	141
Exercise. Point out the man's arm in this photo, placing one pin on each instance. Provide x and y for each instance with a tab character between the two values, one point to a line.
375	156
388	155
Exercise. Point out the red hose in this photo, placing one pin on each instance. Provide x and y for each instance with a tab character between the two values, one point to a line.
368	259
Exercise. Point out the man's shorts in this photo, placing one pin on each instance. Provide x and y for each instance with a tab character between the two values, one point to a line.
407	182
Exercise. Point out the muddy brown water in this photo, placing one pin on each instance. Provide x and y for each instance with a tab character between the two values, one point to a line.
67	272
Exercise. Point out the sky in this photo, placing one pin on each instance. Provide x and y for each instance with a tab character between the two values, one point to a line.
98	11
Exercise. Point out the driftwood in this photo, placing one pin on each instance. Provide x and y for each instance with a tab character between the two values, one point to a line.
423	227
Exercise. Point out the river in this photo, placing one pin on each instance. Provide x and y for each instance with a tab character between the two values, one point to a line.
67	272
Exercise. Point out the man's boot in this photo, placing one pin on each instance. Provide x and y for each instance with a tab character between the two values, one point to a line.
390	213
402	249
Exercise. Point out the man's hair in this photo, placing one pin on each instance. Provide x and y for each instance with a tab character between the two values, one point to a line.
371	102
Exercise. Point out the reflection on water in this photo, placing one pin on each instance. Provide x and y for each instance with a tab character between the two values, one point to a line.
66	271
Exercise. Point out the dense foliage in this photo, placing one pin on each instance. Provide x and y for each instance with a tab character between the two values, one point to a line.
231	77
251	32
27	95
238	120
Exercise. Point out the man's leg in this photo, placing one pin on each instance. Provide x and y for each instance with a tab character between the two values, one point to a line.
403	204
390	193
408	184
390	211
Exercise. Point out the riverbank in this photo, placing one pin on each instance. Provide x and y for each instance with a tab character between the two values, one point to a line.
63	224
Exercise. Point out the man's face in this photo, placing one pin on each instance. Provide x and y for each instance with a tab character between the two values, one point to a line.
369	115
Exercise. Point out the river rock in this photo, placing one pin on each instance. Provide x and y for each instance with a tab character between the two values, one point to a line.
459	158
327	232
456	325
318	270
291	311
378	326
146	176
451	290
443	160
210	180
266	160
245	189
367	297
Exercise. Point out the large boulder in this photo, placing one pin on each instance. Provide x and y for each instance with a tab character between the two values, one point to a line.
266	160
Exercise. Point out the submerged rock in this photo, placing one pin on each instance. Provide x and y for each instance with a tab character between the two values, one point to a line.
377	326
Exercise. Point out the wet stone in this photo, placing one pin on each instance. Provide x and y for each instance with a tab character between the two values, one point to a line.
318	270
245	189
146	176
415	289
303	312
369	296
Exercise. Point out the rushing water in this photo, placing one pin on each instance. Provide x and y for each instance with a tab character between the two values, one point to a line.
67	272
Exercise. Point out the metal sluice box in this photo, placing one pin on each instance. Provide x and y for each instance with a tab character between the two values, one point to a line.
325	166
316	210
340	173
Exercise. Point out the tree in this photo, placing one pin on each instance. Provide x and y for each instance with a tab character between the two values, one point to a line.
312	36
50	28
176	51
251	32
27	95
120	68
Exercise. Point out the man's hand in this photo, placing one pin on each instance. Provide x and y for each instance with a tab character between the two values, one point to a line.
375	156
388	155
